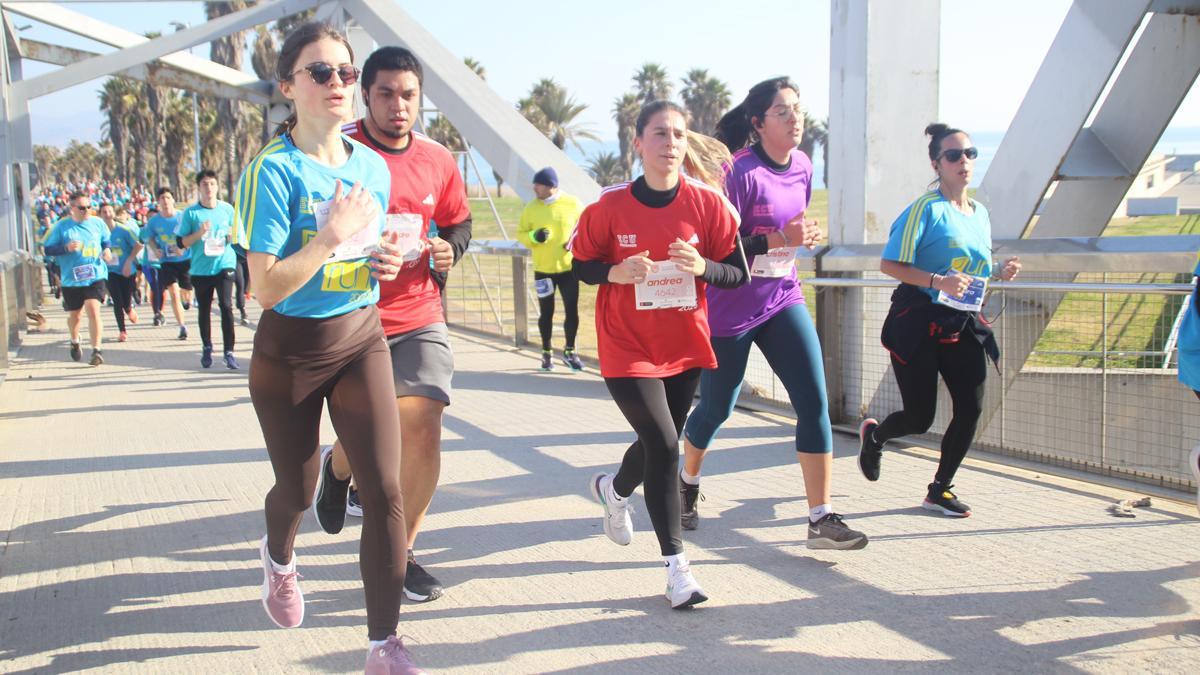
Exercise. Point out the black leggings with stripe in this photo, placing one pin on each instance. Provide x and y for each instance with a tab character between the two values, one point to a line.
656	408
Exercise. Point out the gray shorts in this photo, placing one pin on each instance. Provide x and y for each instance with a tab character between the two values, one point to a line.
422	362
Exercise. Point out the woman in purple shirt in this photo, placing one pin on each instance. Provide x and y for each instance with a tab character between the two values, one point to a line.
769	183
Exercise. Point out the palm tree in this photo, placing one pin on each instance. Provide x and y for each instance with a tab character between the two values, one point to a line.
177	139
817	132
116	99
442	131
553	111
263	59
45	157
228	51
652	83
606	168
706	99
625	112
154	137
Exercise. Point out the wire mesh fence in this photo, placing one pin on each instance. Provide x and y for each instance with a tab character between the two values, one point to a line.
1087	377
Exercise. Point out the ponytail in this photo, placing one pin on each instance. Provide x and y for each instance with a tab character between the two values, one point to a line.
707	159
286	126
734	130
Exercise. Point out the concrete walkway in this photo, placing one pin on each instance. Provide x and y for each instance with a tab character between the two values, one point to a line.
132	505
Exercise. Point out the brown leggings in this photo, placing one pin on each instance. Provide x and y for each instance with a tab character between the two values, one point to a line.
298	364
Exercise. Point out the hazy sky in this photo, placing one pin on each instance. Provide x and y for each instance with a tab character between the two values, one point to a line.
990	51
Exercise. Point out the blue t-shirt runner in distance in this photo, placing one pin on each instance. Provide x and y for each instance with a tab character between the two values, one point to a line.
85	266
214	252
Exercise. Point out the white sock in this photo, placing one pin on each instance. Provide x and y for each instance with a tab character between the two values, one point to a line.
818	512
688	478
283	569
674	562
612	492
372	644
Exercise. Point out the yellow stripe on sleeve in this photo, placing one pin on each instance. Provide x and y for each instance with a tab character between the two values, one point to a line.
908	243
249	192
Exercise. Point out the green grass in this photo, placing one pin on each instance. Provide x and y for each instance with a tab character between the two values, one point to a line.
1135	322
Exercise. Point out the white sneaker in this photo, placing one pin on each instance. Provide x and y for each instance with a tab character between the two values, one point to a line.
1195	463
682	589
618	521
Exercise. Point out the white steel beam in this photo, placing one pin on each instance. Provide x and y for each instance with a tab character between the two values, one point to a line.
1078	65
514	148
153	49
156	73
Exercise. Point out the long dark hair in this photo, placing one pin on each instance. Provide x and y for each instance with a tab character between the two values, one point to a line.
289	53
736	128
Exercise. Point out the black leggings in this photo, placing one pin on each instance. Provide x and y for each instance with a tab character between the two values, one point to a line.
241	283
568	286
963	365
222	284
121	290
656	409
298	365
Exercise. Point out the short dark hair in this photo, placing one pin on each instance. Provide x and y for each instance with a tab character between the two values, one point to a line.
77	194
104	204
390	58
936	133
205	173
163	191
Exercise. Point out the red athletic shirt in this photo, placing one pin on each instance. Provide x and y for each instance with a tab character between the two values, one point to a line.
425	181
655	342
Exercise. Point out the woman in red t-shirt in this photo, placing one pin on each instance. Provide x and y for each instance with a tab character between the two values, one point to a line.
652	245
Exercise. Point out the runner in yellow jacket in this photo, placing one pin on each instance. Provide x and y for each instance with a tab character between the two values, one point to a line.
546	225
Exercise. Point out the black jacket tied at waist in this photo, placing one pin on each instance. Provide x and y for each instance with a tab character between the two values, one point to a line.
915	319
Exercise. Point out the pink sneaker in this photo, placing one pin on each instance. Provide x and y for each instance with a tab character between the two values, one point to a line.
281	595
391	658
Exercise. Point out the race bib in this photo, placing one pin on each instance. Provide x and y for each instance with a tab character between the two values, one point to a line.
215	246
408	228
361	245
666	286
83	272
173	251
776	263
544	287
971	300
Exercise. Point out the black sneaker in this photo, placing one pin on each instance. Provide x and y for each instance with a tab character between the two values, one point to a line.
831	532
97	358
689	515
353	506
245	321
940	498
419	585
183	332
870	452
329	504
187	304
159	319
76	352
547	362
206	356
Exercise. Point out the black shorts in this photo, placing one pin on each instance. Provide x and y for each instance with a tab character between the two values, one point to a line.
176	273
73	296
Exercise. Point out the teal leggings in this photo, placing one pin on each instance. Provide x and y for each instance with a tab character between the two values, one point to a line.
789	342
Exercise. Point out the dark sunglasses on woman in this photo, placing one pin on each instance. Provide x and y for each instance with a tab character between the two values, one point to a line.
321	72
952	155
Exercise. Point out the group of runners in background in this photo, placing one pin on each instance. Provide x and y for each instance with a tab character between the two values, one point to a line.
349	232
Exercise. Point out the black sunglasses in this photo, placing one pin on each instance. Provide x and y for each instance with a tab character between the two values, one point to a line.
81	207
321	72
954	154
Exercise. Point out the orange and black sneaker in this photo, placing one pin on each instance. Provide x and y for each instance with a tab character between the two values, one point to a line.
940	498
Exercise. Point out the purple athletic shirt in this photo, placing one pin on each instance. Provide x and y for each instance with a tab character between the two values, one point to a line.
766	200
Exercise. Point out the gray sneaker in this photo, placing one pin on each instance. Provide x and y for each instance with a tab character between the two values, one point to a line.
831	532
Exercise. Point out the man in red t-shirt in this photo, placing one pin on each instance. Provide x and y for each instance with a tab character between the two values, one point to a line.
427	194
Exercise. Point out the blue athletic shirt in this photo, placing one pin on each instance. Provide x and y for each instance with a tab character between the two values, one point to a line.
143	236
122	240
933	236
165	232
222	219
85	266
275	202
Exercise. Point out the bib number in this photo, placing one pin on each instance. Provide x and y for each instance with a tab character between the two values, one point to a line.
361	245
665	286
83	273
215	246
971	300
544	287
776	263
407	227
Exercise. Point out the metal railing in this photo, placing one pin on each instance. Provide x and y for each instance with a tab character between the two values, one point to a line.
1087	377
